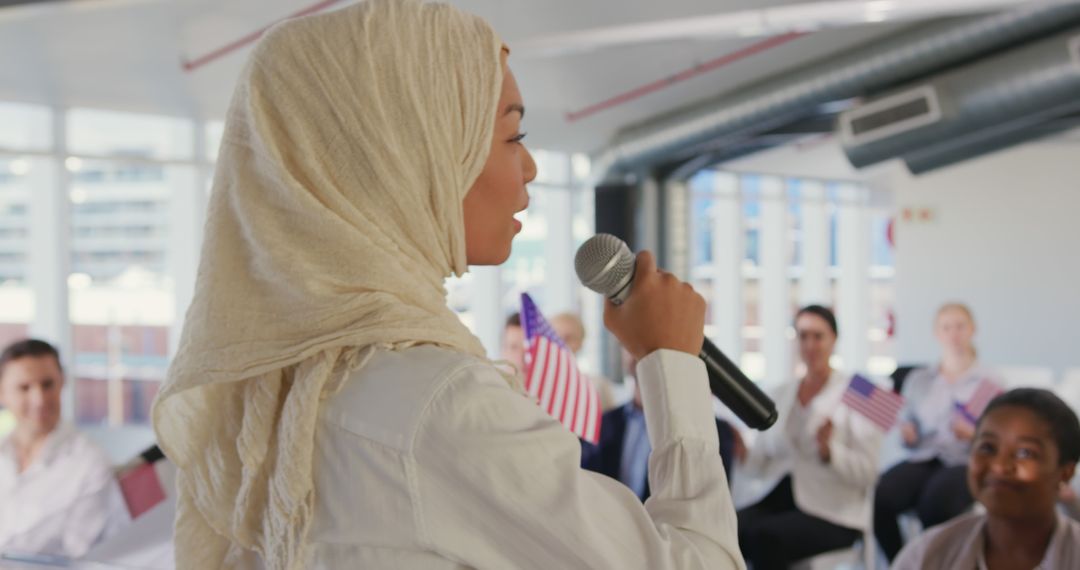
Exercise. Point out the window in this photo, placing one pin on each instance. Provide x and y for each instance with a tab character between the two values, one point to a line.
122	302
106	133
122	299
26	128
22	177
750	202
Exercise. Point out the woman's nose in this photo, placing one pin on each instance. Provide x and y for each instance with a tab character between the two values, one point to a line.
529	167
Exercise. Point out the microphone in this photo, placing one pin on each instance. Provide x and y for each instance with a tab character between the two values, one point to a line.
605	264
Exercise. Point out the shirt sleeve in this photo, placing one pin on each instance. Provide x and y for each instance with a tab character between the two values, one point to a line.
913	392
854	450
497	482
773	444
911	556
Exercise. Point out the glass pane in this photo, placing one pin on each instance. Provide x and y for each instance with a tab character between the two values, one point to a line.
524	271
702	199
122	300
107	133
20	178
551	167
25	127
750	188
881	252
794	201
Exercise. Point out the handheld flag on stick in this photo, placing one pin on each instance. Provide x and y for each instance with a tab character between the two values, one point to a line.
553	379
879	406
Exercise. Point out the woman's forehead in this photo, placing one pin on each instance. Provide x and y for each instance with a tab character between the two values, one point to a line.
1017	422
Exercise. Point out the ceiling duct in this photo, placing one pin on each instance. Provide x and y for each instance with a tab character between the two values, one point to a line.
1050	122
981	105
8	3
791	96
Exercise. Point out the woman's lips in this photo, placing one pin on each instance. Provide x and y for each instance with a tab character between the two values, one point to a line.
999	485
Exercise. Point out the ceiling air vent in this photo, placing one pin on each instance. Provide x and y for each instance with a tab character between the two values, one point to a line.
890	116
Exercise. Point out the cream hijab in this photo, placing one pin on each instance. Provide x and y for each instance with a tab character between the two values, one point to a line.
336	215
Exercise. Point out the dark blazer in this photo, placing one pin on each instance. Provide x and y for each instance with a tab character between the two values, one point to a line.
606	455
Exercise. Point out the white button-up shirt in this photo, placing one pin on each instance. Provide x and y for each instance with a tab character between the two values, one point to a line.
839	491
61	504
426	459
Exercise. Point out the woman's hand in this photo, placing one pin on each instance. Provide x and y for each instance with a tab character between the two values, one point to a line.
963	430
909	433
739	446
661	312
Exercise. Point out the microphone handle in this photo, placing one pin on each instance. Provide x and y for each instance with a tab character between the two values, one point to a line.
736	391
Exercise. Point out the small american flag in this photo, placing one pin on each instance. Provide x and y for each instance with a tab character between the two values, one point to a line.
141	489
553	379
986	391
879	406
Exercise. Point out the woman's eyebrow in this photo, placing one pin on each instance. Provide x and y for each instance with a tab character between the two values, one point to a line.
515	107
1034	440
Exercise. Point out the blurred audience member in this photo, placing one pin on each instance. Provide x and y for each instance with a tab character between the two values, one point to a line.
624	448
513	342
7	422
1026	447
58	495
822	453
572	331
1069	499
932	479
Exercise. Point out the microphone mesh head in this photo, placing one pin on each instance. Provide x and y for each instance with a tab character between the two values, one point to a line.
605	264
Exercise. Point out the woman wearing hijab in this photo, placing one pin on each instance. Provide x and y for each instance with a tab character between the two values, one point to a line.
326	409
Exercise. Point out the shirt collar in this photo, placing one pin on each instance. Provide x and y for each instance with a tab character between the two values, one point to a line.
1061	527
49	452
974	372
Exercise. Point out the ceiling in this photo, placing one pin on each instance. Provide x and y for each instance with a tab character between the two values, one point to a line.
127	55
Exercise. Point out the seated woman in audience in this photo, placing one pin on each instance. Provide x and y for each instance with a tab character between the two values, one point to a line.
56	486
824	455
932	480
1026	447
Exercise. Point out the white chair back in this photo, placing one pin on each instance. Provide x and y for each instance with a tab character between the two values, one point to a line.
1069	388
1027	377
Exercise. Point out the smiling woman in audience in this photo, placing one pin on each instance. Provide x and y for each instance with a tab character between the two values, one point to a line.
1026	447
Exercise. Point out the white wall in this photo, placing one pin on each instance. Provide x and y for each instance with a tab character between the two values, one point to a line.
1004	237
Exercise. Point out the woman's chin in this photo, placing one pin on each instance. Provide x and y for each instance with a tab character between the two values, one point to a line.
491	255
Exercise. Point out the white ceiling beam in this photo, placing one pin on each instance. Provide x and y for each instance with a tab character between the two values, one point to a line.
753	23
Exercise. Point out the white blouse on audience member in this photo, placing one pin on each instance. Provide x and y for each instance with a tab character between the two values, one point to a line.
960	544
838	491
427	459
930	401
64	501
